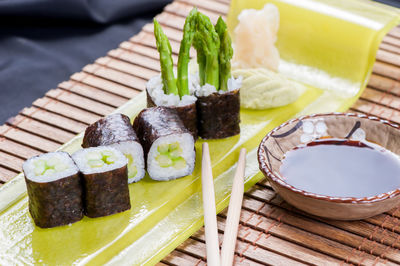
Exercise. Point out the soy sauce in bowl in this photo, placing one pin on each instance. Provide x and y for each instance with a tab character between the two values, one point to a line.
341	168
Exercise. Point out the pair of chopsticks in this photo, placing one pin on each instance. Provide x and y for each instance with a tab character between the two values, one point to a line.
210	218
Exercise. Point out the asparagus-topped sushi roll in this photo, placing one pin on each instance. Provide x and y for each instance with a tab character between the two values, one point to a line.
105	182
165	89
116	130
167	144
218	101
54	189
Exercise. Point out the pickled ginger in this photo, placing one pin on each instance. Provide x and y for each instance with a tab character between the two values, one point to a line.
255	37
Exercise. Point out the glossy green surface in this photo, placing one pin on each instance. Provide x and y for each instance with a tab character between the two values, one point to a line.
164	214
324	43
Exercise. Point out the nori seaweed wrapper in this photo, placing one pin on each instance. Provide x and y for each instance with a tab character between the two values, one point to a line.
218	115
187	113
155	122
114	128
57	202
106	193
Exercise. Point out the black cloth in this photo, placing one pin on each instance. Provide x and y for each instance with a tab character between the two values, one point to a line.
395	3
43	42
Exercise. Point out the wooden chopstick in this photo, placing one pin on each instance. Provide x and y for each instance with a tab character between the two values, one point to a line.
235	205
210	218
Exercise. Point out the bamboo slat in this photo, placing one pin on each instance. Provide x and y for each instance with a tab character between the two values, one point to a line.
170	20
391	40
384	112
105	85
179	258
386	70
66	110
381	98
267	240
39	142
172	34
183	9
128	68
141	49
390	48
35	127
395	32
149	40
135	58
53	119
388	57
116	76
132	45
11	162
101	96
16	149
214	6
79	102
384	84
270	230
6	174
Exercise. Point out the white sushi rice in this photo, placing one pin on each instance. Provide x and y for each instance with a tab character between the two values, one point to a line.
81	161
159	173
207	89
29	167
136	151
155	89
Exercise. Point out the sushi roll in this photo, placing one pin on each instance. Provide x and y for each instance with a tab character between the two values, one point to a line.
54	189
105	183
116	130
165	89
185	107
218	114
218	101
167	144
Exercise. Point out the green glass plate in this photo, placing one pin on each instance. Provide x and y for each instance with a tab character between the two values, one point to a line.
164	214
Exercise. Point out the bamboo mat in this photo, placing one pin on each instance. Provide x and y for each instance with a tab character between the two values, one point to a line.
271	232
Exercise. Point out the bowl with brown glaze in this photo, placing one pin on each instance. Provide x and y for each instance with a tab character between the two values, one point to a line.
346	126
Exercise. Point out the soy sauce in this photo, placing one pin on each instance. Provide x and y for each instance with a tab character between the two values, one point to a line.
341	168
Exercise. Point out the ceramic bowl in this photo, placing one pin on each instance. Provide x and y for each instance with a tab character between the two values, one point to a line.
338	125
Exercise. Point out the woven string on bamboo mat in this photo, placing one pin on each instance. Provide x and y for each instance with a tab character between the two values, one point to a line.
271	231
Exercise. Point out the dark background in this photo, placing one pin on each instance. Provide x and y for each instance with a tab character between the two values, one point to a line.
43	42
395	3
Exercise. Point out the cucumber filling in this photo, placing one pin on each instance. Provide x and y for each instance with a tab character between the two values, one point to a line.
132	169
99	159
170	156
48	167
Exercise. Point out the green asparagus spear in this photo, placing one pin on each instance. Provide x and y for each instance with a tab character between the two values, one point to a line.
184	52
166	63
201	57
210	44
225	54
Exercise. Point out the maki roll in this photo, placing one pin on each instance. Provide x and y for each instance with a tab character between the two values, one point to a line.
185	107
218	114
105	183
54	189
165	89
218	101
116	130
167	144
